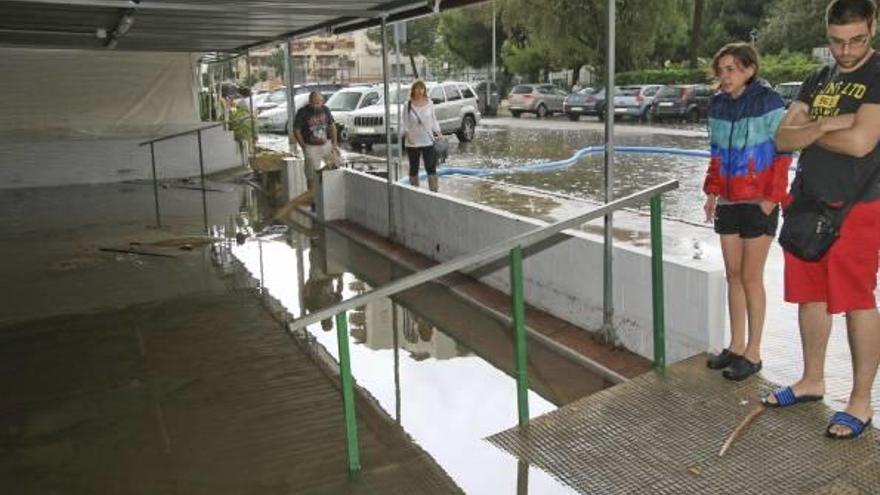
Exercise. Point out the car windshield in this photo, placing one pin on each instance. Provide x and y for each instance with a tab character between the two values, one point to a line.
673	91
345	101
394	97
278	96
522	90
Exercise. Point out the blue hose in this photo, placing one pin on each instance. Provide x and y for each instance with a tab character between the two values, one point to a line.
561	164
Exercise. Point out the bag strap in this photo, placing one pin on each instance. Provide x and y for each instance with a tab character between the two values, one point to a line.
410	110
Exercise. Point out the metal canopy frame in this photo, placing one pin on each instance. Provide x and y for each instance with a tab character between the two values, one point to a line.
226	26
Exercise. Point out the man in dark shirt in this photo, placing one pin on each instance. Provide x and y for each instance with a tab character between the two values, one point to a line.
315	132
836	122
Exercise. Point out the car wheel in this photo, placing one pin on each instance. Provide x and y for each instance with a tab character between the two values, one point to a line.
541	111
601	116
574	117
515	114
468	127
693	116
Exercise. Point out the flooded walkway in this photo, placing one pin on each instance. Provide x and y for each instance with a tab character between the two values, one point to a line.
127	373
199	395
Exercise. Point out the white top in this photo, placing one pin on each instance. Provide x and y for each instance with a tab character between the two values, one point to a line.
419	134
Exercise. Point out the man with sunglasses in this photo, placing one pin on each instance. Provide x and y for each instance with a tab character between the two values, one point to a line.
836	124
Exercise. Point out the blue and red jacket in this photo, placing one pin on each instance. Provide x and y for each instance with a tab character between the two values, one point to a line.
745	164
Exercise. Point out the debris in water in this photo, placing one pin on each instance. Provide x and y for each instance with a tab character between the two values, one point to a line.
695	470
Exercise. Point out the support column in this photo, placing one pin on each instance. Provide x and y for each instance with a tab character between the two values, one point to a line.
608	285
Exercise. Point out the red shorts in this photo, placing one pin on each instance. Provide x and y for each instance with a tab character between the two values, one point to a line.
846	276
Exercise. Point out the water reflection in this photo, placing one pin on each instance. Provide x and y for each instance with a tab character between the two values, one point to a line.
428	378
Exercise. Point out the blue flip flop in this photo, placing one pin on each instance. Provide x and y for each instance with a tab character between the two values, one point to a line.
855	425
785	397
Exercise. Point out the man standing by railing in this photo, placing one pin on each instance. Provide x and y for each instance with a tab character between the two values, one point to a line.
836	122
315	132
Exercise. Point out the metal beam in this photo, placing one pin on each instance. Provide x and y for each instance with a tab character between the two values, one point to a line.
315	8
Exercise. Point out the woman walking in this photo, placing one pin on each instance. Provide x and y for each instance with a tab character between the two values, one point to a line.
421	130
746	181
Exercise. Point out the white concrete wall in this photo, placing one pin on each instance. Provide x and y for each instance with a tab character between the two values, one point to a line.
565	280
41	161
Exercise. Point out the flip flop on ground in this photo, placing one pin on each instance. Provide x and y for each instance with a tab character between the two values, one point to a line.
785	397
856	426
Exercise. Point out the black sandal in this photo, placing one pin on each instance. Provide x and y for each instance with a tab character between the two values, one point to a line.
721	361
741	368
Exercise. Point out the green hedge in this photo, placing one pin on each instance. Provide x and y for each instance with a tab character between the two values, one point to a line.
662	76
775	73
785	73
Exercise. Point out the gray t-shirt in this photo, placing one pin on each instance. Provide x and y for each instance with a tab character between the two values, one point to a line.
834	177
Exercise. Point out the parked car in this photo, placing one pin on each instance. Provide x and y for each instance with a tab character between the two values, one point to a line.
594	103
278	98
259	97
455	104
274	119
344	102
635	101
576	104
689	102
540	99
275	98
788	91
490	106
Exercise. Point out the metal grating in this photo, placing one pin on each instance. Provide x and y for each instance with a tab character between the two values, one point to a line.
662	434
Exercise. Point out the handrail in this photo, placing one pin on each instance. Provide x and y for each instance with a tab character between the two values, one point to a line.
484	255
181	133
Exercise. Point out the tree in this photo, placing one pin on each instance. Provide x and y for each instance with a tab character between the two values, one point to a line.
793	25
276	61
421	35
573	32
696	32
467	35
730	21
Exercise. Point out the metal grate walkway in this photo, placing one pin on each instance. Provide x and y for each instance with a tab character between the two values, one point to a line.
662	434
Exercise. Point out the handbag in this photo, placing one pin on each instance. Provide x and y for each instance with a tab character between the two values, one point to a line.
441	147
811	224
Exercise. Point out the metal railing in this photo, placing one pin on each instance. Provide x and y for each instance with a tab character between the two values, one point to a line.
512	247
152	143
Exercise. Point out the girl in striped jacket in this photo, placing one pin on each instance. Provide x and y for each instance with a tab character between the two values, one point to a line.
746	181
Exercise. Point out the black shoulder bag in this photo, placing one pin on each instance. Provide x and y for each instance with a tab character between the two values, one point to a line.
811	225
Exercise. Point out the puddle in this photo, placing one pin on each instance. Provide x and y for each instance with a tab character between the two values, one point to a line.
439	368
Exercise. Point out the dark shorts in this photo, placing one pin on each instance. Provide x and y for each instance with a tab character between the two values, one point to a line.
746	219
426	152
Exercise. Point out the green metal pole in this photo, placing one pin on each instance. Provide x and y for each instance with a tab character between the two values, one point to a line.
657	285
519	329
354	461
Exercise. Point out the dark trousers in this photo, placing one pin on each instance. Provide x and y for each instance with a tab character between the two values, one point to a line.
425	152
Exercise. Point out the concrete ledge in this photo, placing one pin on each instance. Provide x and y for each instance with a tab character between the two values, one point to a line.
565	280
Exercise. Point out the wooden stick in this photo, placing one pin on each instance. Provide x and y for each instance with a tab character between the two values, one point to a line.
135	251
753	415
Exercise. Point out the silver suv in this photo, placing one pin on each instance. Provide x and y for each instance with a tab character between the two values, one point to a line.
455	104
